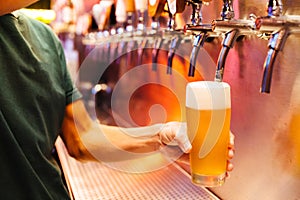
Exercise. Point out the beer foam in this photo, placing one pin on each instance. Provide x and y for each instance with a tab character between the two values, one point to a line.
207	95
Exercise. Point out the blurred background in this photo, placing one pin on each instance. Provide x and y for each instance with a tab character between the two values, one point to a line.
148	51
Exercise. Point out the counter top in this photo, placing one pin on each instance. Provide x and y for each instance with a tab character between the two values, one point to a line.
93	180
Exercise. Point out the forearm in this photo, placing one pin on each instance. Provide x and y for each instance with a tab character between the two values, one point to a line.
86	139
110	143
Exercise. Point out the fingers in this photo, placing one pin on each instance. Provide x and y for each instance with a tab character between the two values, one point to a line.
229	166
167	135
231	149
230	154
176	132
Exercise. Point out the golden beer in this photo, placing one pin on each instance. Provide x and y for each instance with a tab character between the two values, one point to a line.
208	111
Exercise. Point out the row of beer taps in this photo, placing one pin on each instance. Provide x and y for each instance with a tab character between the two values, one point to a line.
274	26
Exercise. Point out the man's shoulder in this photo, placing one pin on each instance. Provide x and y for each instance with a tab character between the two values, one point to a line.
34	24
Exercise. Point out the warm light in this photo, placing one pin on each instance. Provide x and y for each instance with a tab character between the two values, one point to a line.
43	15
99	87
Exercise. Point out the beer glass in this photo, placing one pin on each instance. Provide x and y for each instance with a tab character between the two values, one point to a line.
208	111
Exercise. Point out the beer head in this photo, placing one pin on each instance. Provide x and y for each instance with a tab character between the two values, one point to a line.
208	95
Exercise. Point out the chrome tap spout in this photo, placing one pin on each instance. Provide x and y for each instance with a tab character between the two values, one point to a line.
277	28
175	42
157	46
232	29
276	44
227	44
198	43
201	32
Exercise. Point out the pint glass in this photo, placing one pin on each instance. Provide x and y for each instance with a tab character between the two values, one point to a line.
208	111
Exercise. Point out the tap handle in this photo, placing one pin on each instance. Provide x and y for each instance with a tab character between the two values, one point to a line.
196	16
227	10
130	10
141	5
101	13
120	11
176	6
155	8
129	6
274	9
198	43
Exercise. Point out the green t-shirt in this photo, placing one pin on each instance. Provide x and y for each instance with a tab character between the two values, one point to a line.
35	87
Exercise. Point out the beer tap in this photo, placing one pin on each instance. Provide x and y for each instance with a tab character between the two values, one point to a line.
198	43
279	27
276	44
121	17
128	35
130	10
199	30
155	8
175	42
141	7
101	13
232	29
174	6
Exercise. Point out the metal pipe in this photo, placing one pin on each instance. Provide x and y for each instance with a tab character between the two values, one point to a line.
276	44
198	43
175	42
157	46
227	44
269	25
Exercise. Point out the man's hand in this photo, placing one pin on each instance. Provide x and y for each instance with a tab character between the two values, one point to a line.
175	133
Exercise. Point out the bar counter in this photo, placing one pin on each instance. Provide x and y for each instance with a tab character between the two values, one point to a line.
93	180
